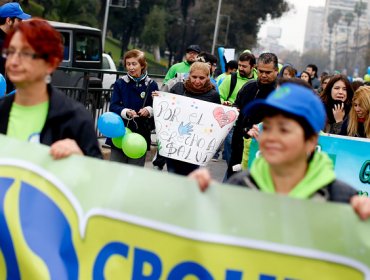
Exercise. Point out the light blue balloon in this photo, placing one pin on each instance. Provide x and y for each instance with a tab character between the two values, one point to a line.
368	70
111	125
2	86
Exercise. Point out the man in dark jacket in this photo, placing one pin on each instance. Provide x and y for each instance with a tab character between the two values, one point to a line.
267	69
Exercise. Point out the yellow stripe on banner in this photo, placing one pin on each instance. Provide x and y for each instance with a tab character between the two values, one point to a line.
119	249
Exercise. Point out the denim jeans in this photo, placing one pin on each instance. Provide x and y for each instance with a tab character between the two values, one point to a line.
226	154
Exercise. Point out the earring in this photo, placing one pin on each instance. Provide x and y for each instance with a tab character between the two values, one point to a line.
47	79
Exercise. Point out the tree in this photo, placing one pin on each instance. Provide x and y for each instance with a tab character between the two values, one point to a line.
332	20
359	9
317	57
246	17
348	18
81	12
154	30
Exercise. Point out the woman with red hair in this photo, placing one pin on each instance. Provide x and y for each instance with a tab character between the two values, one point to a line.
38	112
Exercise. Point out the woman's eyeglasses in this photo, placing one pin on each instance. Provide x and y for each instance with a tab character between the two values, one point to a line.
22	55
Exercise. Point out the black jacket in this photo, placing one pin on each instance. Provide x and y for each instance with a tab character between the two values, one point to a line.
250	91
66	118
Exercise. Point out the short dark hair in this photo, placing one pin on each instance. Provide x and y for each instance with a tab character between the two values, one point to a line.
314	68
232	64
267	58
208	57
248	57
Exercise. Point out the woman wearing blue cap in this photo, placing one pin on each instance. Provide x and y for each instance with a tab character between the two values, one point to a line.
292	118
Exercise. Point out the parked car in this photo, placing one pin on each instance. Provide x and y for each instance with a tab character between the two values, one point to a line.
108	64
82	49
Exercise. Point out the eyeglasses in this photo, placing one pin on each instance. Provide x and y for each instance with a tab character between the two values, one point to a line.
23	55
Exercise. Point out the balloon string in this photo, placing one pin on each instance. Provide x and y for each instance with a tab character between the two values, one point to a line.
133	119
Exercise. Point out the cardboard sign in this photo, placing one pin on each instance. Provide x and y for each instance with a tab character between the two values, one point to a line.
189	129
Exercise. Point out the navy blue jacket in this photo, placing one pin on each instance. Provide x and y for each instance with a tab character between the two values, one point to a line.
130	94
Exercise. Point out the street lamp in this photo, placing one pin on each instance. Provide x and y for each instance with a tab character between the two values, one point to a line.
108	3
215	34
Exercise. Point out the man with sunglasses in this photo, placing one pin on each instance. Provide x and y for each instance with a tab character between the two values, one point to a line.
10	15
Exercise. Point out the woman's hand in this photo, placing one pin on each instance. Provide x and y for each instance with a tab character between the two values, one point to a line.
155	93
361	205
143	112
338	112
131	114
254	132
203	177
64	148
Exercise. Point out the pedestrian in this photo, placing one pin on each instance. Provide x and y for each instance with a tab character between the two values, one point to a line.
267	69
358	122
230	87
10	15
289	164
231	67
197	86
192	52
38	112
305	76
324	82
132	100
287	72
337	98
312	70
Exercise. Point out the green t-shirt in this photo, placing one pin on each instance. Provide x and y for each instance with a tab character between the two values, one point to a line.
182	67
26	122
224	88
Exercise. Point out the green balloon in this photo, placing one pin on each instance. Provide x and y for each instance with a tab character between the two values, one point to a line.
134	145
117	141
128	130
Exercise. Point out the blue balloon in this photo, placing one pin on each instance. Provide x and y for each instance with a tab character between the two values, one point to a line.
111	125
2	86
368	70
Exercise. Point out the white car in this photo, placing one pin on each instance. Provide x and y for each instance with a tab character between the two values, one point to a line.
108	64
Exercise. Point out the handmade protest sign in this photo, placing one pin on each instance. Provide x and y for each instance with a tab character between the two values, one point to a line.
189	129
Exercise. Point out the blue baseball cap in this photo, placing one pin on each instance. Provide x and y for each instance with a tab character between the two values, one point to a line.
294	99
13	10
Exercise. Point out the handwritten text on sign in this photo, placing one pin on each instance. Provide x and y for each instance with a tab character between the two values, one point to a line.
189	129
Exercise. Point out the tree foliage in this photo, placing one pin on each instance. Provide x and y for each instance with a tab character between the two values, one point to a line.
154	29
178	23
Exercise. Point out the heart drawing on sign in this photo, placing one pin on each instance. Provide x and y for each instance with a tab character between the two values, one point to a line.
223	118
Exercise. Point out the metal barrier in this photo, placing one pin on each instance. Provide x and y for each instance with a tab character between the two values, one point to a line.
95	99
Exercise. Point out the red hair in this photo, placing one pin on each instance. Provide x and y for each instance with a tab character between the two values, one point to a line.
42	37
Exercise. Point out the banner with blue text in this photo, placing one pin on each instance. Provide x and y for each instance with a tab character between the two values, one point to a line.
83	218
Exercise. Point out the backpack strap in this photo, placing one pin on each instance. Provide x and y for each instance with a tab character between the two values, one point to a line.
232	84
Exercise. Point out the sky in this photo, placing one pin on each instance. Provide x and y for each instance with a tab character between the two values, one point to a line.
293	24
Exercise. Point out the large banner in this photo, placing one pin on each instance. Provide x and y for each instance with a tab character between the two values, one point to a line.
82	218
350	155
189	129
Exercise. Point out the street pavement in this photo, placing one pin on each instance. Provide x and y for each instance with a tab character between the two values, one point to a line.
217	168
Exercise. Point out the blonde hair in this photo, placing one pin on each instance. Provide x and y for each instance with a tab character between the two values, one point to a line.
362	97
200	66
